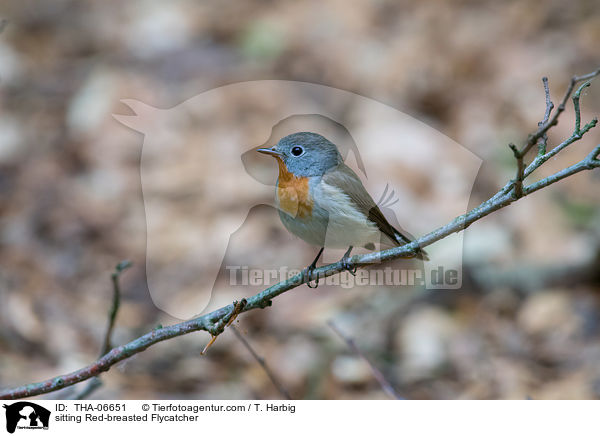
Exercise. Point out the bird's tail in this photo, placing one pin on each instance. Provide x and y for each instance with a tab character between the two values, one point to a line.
403	240
388	200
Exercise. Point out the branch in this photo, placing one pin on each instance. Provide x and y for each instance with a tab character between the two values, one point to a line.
544	127
520	170
261	361
112	315
385	385
577	134
238	307
541	137
549	106
95	383
589	163
215	322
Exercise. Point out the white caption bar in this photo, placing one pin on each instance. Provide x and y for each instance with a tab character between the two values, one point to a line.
311	417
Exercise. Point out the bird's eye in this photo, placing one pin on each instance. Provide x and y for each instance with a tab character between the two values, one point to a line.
297	151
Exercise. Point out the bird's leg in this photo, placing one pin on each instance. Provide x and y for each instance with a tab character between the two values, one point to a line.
345	264
308	270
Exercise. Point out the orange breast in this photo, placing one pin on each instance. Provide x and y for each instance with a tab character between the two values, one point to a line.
293	193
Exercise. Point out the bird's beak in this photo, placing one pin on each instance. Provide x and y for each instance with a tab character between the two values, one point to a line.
269	151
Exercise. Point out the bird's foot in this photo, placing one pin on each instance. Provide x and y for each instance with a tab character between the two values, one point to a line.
306	275
346	263
310	268
348	266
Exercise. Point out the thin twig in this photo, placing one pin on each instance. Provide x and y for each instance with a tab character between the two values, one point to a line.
216	321
96	383
520	170
576	98
577	134
544	125
589	163
238	307
533	138
549	106
261	361
116	302
542	140
552	121
385	385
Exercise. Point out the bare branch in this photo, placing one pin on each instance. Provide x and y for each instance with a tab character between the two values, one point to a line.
216	321
213	323
577	134
96	383
520	170
385	385
543	129
261	361
593	156
238	307
589	163
549	106
576	98
112	315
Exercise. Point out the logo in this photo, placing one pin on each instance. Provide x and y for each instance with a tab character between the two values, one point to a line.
210	199
26	415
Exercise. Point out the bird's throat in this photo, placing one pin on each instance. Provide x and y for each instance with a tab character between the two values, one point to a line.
293	193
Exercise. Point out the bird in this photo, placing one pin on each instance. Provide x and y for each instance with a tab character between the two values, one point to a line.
323	201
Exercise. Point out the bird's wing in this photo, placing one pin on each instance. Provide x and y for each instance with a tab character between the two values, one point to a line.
345	179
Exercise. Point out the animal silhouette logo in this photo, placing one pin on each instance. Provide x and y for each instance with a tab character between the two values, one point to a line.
26	415
209	197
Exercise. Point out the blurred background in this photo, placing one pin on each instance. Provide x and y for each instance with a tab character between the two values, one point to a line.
525	324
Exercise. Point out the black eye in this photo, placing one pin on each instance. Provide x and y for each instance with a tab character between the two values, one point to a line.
297	151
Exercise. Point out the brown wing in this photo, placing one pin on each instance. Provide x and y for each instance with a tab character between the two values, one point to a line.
345	179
